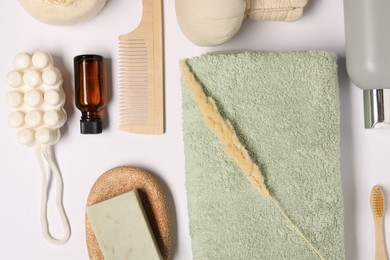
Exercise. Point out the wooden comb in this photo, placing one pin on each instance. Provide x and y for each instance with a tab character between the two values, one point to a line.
141	74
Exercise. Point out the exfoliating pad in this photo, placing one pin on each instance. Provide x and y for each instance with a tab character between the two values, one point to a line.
261	136
120	180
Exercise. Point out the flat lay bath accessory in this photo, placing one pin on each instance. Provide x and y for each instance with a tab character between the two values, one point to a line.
378	210
90	91
368	58
63	12
121	180
36	99
215	22
122	228
251	113
141	74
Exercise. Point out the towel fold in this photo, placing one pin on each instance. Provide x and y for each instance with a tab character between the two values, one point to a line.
284	109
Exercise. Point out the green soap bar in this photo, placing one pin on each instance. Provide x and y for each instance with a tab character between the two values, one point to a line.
122	228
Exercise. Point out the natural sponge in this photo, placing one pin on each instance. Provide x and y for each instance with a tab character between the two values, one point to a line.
63	12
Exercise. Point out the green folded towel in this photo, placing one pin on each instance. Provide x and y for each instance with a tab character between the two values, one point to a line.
283	113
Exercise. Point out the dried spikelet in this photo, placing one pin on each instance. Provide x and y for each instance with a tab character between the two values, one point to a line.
226	133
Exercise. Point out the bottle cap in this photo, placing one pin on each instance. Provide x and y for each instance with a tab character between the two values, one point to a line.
376	108
91	126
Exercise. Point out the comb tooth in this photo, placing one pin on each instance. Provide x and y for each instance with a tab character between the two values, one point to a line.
133	81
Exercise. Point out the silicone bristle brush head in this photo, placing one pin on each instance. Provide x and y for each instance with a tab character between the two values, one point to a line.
377	201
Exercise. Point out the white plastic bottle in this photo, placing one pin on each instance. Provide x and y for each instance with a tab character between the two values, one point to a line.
367	39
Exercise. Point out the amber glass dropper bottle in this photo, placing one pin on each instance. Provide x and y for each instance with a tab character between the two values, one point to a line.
89	74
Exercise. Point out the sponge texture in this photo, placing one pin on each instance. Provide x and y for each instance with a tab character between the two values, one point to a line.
63	12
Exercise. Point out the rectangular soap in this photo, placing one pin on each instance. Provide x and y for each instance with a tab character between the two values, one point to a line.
122	229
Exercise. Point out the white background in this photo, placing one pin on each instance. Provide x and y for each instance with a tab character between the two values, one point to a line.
82	159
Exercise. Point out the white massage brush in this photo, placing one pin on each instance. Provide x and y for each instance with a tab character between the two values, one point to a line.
36	99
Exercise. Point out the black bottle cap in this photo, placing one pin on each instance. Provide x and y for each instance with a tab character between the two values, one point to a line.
91	126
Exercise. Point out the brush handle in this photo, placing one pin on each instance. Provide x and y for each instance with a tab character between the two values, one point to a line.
380	251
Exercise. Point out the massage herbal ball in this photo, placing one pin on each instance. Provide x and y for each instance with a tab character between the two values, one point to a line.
206	22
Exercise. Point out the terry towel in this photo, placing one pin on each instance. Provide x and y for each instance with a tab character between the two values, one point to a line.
261	138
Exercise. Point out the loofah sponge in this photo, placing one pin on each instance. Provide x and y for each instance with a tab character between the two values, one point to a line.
63	12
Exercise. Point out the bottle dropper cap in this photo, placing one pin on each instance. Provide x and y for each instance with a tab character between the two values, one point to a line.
376	108
91	126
